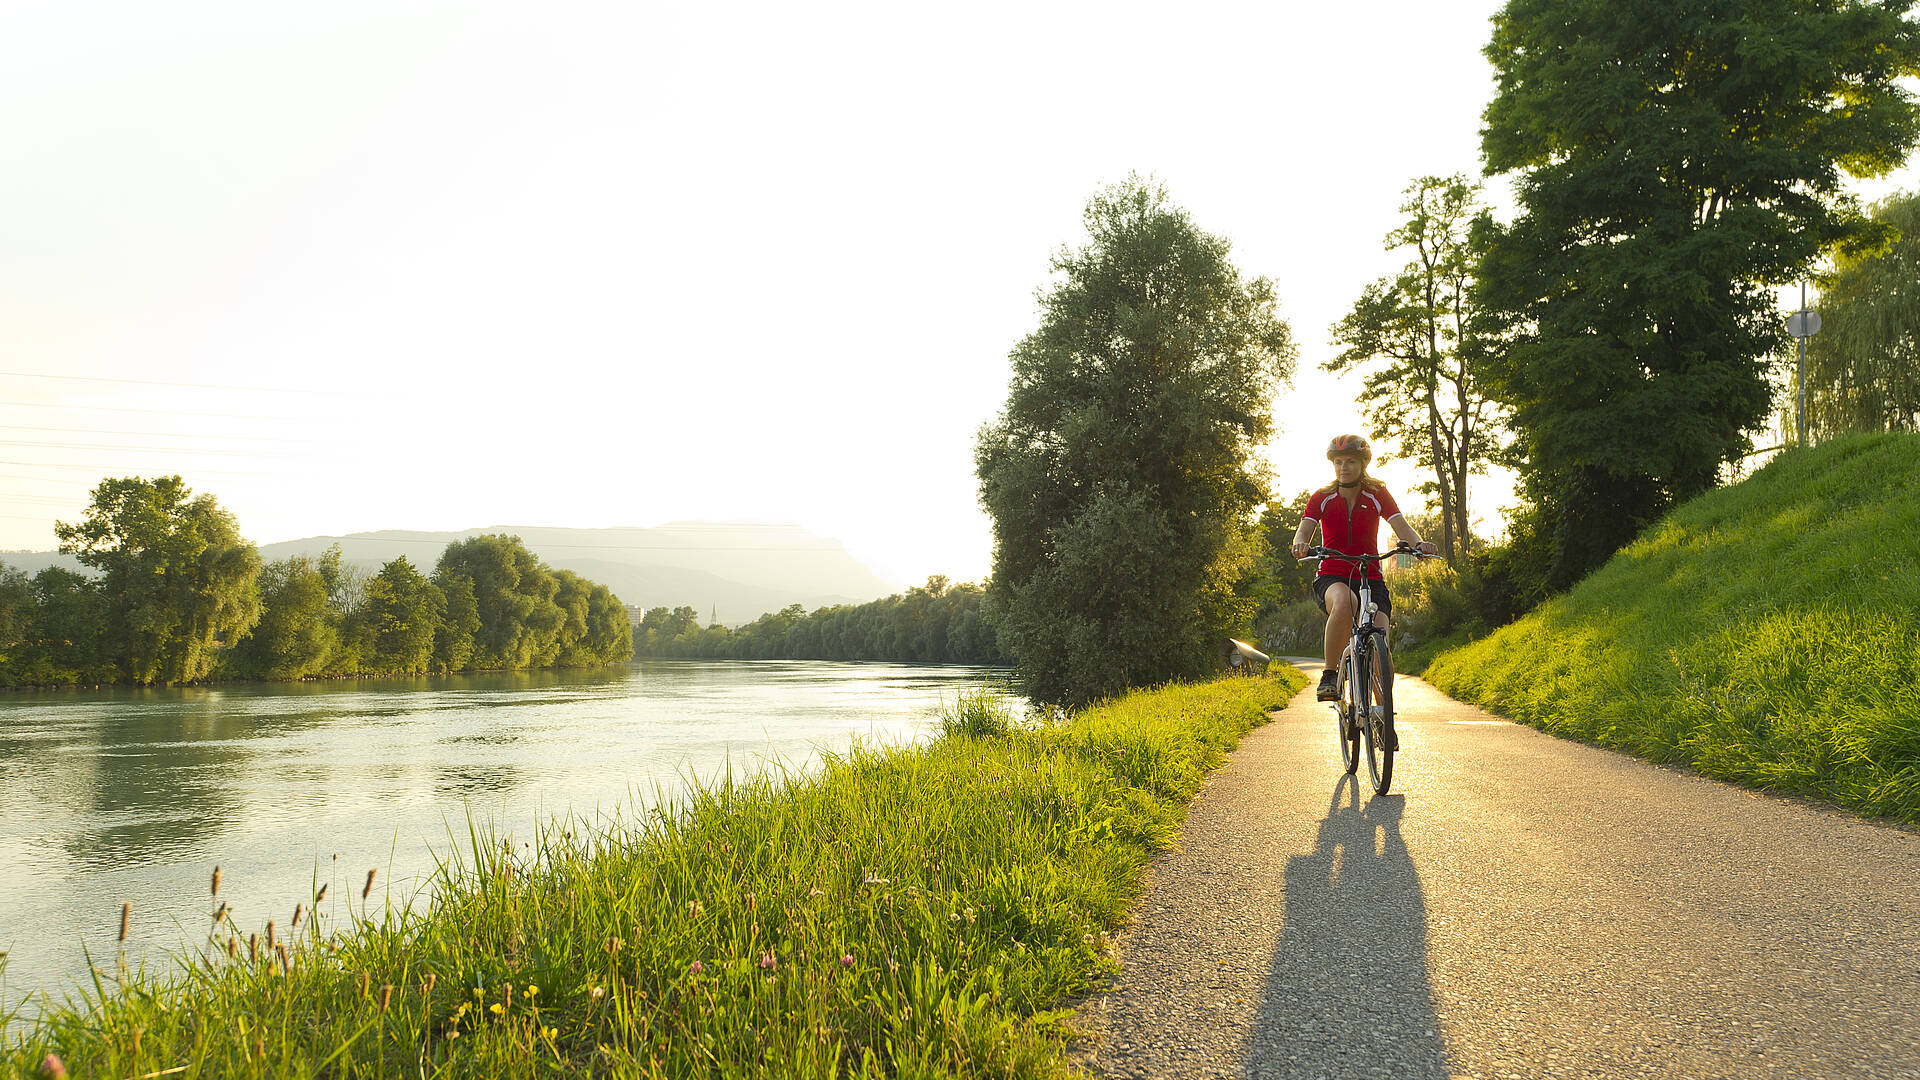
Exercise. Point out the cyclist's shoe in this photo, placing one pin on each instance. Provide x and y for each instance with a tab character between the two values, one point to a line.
1328	690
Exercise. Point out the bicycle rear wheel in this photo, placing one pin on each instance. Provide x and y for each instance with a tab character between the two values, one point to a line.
1380	720
1345	712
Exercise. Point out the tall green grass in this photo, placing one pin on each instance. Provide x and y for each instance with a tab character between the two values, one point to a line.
923	911
1763	633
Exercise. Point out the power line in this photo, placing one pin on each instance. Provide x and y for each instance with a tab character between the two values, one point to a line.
150	412
156	382
115	468
124	446
157	434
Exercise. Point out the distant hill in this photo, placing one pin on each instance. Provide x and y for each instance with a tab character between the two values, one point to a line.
737	571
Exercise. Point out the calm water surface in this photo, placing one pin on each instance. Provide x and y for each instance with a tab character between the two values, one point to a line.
135	795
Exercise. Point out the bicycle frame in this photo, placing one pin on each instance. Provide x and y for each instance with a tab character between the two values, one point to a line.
1364	708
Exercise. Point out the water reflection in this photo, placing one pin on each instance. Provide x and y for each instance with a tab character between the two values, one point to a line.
135	795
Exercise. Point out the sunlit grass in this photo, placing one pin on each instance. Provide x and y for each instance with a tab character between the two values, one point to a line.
904	912
1763	634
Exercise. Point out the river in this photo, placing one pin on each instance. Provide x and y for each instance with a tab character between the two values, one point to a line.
134	796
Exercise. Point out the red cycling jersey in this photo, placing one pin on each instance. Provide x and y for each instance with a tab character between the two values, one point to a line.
1355	532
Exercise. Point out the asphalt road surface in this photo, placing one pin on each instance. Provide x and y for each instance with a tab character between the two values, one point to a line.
1519	906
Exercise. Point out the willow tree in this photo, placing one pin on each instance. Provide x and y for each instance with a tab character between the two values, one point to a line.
1863	368
1119	477
1674	162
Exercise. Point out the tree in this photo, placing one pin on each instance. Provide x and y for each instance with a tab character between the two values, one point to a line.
513	591
458	622
399	614
296	636
1118	475
178	578
1417	329
1674	162
1863	368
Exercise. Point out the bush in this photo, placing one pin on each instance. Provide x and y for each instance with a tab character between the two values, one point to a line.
984	713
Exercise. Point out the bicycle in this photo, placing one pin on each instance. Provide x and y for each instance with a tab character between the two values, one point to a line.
1363	709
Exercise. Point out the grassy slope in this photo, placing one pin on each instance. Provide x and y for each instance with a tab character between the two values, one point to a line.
1762	633
907	912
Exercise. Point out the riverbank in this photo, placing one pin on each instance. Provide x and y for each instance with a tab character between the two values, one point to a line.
916	909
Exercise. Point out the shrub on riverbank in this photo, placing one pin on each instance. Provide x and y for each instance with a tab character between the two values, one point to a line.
905	912
1762	633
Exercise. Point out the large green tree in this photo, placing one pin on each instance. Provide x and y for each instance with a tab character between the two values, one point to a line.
397	619
513	591
1863	368
1119	477
1414	334
296	636
178	578
1674	160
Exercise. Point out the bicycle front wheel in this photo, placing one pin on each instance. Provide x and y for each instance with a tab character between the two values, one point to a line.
1380	722
1346	712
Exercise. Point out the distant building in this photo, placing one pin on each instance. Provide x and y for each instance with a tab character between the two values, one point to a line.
634	613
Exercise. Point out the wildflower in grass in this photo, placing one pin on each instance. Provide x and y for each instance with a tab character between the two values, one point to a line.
497	1009
696	967
971	915
548	1033
767	962
53	1068
532	990
846	960
597	993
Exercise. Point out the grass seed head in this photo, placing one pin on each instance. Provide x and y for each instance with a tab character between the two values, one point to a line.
319	896
126	917
297	909
216	881
386	996
368	890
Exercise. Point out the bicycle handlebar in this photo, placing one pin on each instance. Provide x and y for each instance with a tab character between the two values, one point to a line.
1402	548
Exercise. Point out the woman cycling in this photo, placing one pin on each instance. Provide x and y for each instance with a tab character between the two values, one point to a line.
1349	512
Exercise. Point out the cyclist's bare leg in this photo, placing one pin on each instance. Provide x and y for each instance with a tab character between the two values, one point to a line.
1340	604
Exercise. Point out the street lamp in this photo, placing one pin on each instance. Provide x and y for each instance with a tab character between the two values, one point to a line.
1803	324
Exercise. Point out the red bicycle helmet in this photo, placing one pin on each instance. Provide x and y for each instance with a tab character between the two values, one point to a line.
1349	444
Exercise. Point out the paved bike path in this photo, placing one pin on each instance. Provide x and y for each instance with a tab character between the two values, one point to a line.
1519	906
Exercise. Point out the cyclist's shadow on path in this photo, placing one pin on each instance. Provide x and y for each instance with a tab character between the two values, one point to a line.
1348	994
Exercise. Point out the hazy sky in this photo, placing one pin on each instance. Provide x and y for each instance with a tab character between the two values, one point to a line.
435	266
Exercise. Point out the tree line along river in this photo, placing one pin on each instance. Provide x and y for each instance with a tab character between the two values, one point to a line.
135	795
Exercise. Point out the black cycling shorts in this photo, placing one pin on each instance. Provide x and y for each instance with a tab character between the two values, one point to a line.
1380	598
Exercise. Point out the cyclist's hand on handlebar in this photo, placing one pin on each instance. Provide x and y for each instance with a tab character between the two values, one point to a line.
1300	551
1427	547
